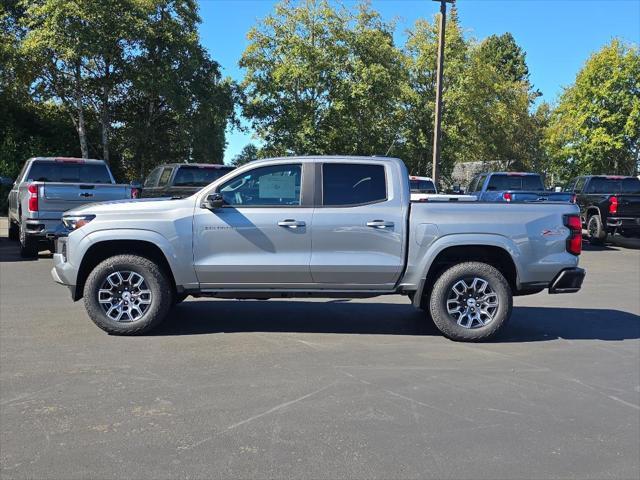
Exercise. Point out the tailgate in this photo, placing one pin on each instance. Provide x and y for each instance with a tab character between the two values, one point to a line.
60	197
541	196
628	206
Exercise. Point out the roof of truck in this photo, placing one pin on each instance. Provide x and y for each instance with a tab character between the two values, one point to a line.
330	158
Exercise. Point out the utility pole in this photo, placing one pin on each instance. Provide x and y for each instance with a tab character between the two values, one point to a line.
438	116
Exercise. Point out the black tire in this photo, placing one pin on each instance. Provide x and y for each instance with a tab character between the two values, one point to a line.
155	280
14	231
28	245
466	272
597	233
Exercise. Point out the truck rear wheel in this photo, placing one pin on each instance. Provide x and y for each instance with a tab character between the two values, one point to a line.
28	245
14	231
128	295
597	233
470	301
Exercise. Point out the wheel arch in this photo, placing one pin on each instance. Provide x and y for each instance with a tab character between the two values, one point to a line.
494	255
104	249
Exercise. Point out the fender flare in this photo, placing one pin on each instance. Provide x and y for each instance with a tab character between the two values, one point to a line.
462	240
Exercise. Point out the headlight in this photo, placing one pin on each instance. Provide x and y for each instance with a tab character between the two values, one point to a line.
74	222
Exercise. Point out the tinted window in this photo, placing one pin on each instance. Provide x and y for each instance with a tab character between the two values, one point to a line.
164	178
152	179
353	184
515	182
68	172
278	185
198	176
422	186
579	185
614	185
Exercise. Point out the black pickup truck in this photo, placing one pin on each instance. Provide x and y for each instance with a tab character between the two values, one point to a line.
179	180
608	204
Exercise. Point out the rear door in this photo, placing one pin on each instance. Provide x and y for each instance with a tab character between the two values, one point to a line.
358	226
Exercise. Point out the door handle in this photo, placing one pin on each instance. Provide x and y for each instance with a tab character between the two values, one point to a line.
290	223
380	224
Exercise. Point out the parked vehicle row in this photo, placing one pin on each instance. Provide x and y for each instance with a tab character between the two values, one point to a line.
317	227
47	187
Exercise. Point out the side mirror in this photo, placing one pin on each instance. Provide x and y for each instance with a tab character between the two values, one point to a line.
213	201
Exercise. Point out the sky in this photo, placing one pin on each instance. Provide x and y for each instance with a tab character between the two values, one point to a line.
558	36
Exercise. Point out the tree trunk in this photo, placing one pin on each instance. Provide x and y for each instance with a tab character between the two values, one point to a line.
82	131
104	120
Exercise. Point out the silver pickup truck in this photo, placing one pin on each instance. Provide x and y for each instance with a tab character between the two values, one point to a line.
317	227
47	187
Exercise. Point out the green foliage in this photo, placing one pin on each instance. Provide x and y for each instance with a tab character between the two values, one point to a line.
130	76
329	80
322	80
596	125
249	153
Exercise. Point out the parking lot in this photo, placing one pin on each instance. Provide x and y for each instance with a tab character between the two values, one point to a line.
322	388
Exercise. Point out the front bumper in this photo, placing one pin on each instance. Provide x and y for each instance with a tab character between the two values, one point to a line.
63	272
568	280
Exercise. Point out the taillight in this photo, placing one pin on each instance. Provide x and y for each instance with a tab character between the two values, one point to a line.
33	197
574	242
135	193
506	196
613	205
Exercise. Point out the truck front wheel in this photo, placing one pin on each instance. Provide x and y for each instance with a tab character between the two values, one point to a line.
470	301
128	295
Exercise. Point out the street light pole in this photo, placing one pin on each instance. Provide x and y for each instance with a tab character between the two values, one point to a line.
438	115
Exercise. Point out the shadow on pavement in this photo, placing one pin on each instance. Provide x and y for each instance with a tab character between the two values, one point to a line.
9	252
528	324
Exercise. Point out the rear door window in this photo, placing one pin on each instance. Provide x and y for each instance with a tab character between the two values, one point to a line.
351	184
422	186
614	185
67	172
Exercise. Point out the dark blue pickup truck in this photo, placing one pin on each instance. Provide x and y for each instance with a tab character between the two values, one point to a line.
514	187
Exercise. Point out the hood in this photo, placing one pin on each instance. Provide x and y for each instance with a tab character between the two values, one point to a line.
142	205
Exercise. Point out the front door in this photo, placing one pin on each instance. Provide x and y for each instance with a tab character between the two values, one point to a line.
359	227
261	237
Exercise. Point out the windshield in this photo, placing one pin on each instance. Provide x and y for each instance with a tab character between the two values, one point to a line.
67	172
503	182
614	185
198	176
422	186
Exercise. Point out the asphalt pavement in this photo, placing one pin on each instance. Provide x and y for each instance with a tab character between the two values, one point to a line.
322	388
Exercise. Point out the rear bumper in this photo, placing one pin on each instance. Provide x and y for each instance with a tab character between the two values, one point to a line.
624	223
44	229
568	280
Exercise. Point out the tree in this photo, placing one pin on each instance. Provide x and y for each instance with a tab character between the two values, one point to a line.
322	80
416	145
249	153
81	48
177	106
503	53
595	128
